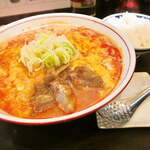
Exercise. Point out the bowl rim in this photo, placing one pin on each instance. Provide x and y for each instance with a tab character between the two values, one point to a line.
139	15
90	109
122	13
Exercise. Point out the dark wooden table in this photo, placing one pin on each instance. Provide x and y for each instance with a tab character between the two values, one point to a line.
83	133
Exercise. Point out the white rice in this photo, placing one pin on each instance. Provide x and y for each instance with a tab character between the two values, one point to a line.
136	29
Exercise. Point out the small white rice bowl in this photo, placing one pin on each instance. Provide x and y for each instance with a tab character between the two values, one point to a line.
135	26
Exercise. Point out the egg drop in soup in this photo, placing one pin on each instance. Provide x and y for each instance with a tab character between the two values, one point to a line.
56	70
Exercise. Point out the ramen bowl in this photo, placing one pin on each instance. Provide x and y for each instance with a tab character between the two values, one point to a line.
128	58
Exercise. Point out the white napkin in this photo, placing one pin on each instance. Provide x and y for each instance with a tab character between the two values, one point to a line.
141	117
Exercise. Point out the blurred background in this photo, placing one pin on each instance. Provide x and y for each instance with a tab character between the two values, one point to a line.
11	10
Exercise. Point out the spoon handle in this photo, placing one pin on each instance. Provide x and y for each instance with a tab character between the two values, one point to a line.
138	99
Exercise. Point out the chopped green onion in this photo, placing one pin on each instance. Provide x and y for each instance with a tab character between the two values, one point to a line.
47	50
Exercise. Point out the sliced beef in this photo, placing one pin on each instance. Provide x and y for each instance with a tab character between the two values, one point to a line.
52	74
64	96
58	88
84	77
49	76
65	75
42	99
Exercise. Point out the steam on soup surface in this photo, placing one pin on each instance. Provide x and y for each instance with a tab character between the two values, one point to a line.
57	70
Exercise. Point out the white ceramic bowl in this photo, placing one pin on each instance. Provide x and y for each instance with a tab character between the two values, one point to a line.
139	50
129	59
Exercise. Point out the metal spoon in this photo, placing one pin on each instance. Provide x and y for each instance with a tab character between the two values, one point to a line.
121	111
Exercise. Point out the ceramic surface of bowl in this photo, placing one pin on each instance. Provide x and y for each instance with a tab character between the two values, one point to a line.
129	59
